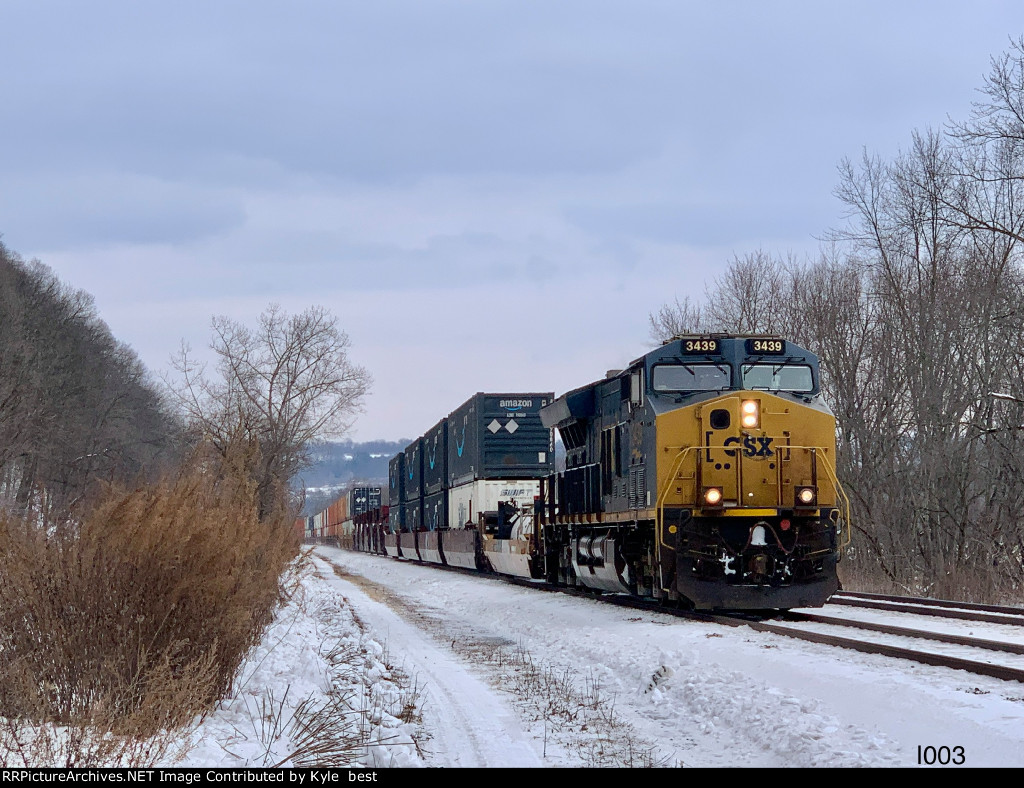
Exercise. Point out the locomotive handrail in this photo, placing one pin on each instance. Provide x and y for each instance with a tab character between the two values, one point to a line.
844	499
659	510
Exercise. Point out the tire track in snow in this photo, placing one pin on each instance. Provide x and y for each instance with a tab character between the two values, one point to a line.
467	722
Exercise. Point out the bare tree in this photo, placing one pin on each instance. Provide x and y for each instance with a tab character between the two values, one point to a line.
752	294
680	317
278	388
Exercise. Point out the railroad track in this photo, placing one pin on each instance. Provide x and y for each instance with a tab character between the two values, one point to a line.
778	625
793	624
966	611
787	624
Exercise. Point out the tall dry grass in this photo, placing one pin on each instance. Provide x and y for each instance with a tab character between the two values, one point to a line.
134	619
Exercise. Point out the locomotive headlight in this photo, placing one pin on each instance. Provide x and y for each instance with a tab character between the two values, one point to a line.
805	496
750	413
713	496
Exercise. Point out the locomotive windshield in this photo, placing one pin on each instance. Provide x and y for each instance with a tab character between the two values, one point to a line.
690	377
778	377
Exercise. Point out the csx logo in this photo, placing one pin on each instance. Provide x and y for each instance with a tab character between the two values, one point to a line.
752	447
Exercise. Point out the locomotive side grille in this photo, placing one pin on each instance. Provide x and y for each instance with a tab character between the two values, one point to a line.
637	487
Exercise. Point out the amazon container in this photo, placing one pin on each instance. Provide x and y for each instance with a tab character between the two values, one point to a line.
413	515
396	518
499	436
396	478
413	473
435	511
429	540
435	458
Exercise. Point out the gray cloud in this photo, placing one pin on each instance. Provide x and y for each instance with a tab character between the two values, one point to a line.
94	209
508	157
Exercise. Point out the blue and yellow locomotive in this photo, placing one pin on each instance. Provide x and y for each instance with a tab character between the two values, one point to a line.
702	473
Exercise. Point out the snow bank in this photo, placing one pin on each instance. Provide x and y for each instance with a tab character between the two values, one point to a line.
318	690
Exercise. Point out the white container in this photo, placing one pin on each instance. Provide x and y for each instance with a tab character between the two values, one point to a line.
467	501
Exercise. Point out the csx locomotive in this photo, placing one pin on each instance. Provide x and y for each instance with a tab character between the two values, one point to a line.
702	474
705	473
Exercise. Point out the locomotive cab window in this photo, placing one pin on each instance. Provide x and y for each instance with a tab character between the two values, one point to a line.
690	377
778	377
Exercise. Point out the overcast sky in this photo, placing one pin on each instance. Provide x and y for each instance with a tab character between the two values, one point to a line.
491	196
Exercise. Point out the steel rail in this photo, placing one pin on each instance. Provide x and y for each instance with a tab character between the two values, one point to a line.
928	602
888	629
956	611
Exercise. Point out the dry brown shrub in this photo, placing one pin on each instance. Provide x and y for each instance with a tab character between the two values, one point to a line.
134	619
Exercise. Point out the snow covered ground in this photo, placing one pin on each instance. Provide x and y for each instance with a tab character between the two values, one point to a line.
449	670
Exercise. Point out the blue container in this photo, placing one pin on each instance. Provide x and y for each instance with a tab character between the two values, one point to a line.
435	511
499	436
413	475
435	458
396	478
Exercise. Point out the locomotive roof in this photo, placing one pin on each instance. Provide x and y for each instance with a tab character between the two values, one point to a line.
578	403
729	341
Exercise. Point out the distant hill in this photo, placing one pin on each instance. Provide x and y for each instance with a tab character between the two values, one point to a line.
339	466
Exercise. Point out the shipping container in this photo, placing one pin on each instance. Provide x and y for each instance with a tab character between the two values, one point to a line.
413	475
413	515
396	479
467	502
396	518
499	436
346	534
435	458
363	499
435	511
337	513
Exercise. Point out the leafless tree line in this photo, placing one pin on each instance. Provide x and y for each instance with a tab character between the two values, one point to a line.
76	405
916	308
